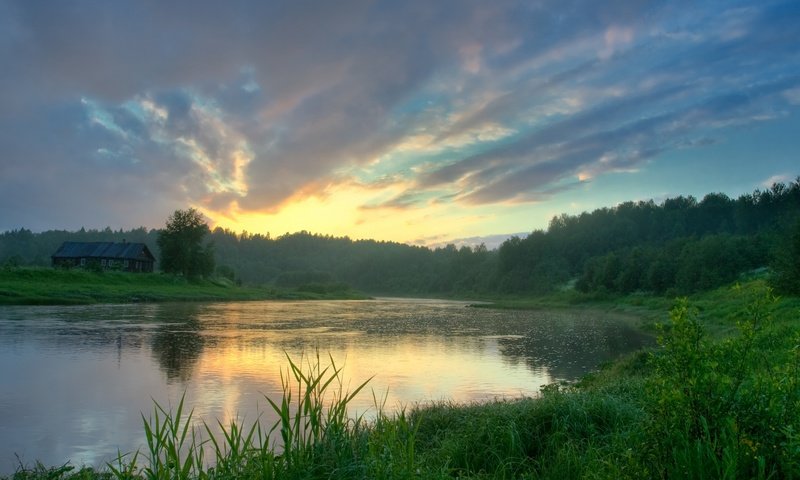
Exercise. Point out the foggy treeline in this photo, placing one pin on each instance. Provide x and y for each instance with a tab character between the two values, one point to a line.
678	246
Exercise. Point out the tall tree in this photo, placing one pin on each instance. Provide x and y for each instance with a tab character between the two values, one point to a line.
182	248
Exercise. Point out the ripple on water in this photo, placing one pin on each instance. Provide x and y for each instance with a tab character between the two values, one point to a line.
82	375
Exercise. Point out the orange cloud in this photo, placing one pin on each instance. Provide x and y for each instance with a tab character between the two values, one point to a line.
338	209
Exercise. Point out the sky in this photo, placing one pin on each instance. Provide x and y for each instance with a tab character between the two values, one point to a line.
422	122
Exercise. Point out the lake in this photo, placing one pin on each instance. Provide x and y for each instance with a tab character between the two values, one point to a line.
76	379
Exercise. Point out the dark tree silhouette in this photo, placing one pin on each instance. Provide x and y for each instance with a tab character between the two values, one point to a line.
182	248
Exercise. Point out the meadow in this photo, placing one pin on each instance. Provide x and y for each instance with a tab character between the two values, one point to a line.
49	286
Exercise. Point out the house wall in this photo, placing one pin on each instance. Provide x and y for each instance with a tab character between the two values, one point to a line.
128	265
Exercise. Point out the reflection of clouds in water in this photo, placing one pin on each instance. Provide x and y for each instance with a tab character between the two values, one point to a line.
566	344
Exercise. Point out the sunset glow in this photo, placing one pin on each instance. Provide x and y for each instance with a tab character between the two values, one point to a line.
421	122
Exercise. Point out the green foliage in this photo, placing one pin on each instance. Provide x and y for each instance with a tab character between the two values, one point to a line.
94	266
172	452
682	266
64	472
725	409
787	262
181	243
14	261
560	435
225	271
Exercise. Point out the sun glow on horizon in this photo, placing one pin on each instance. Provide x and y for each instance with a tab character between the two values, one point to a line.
340	211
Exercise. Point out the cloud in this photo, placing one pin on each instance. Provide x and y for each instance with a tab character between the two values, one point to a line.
524	169
491	242
779	178
404	201
557	146
245	106
74	173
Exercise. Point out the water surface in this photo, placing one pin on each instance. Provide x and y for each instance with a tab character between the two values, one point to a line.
75	379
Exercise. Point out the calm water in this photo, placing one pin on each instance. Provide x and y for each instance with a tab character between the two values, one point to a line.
75	379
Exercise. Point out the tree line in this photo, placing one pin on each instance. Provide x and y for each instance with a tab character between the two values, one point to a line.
679	246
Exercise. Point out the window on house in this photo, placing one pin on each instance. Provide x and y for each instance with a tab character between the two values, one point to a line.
103	262
83	262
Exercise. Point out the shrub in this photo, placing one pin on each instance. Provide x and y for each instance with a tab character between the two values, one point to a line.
721	410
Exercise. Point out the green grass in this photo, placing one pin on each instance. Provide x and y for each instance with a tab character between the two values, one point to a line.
719	398
643	311
717	308
47	286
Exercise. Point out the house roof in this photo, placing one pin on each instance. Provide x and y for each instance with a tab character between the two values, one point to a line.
121	251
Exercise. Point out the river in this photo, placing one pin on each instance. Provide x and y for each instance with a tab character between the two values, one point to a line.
75	380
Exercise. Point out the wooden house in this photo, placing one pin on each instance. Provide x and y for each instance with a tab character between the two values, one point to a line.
128	257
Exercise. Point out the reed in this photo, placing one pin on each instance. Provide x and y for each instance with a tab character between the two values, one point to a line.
313	413
317	435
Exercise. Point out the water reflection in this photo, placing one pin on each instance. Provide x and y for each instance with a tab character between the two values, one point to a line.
569	344
82	375
177	342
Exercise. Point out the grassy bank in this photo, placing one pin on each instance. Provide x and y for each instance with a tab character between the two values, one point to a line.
47	286
719	398
716	307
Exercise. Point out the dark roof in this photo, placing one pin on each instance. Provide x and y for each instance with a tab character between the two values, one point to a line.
121	251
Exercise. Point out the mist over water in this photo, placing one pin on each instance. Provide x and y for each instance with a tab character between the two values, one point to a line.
75	380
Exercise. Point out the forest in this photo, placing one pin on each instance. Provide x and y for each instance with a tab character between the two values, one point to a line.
679	246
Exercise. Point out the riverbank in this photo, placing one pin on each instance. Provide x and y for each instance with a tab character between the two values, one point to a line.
640	311
715	307
719	398
47	286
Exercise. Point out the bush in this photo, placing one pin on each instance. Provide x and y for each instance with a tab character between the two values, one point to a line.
94	266
721	410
